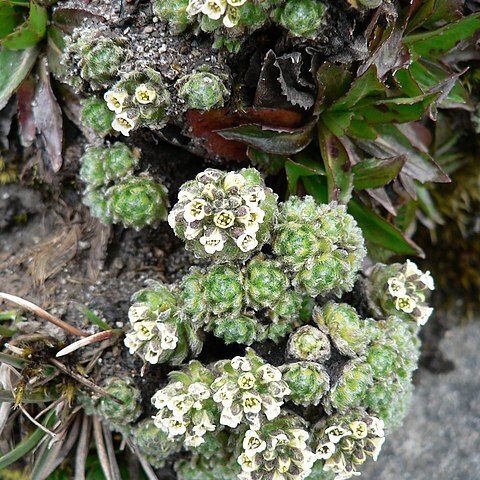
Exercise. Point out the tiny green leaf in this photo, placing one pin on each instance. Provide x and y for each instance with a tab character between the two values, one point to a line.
375	172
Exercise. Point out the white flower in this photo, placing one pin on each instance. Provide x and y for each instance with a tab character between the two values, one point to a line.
241	363
195	7
199	390
299	438
152	356
335	463
195	210
269	374
172	221
145	95
144	330
378	443
271	407
180	405
225	395
230	419
359	429
192	233
185	195
123	124
253	443
411	269
231	18
405	304
168	334
246	242
254	197
283	464
138	312
396	287
325	450
224	219
160	399
213	242
175	426
246	381
252	219
205	424
132	342
247	462
214	9
115	100
336	433
427	279
425	313
194	440
251	402
377	426
236	3
233	180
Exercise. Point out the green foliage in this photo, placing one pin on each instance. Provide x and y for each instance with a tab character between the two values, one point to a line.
203	91
97	116
320	244
309	343
302	18
126	409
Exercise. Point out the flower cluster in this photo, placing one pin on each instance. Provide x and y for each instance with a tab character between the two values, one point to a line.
247	389
138	99
343	442
114	194
321	245
157	332
224	216
401	290
278	450
226	10
186	408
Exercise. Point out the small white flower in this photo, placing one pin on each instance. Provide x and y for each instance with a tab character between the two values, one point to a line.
253	443
144	94
225	395
335	464
192	233
359	429
137	313
231	17
194	440
377	427
405	304
213	242
180	405
252	220
378	443
269	373
199	390
205	423
425	313
229	419
175	426
160	399
246	242
271	408
325	450
396	287
233	180
427	279
124	124
335	433
241	363
246	381
247	462
251	402
254	197
132	342
283	464
152	356
185	195
195	210
169	338
209	191
411	269
195	7
214	9
299	438
144	330
224	219
236	3
115	100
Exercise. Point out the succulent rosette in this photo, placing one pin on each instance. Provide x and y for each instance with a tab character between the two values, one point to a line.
320	245
224	216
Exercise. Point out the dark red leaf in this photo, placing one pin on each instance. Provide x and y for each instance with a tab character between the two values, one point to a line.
26	120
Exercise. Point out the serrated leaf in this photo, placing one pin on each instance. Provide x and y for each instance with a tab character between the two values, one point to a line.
397	110
337	122
30	32
376	172
271	140
431	44
365	85
14	67
381	233
337	165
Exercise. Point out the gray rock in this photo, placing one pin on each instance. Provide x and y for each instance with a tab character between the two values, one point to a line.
440	439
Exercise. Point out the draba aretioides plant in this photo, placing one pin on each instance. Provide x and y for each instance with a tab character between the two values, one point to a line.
295	380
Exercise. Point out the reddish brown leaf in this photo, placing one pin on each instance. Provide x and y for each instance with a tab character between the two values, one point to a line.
204	125
26	120
48	118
